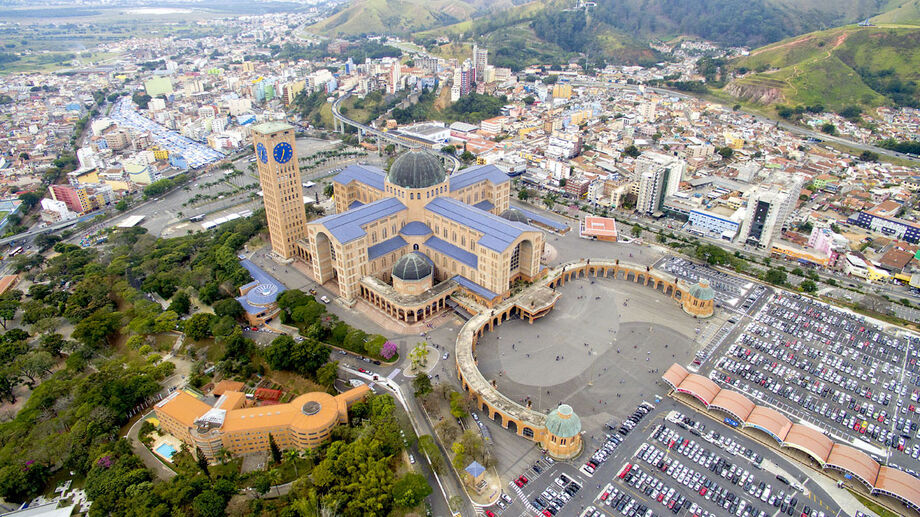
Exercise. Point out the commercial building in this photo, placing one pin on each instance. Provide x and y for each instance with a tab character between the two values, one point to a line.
236	425
659	177
480	62
279	176
766	213
715	223
883	221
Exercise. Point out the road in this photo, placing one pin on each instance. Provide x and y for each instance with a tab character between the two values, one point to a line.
389	137
792	128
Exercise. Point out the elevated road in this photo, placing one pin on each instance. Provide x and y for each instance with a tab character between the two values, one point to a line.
395	138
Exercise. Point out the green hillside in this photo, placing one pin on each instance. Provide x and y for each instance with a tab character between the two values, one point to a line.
900	12
867	66
401	17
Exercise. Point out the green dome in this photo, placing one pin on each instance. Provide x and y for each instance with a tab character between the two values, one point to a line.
702	291
416	169
562	422
412	266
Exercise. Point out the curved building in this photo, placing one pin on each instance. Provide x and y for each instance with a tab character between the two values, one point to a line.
563	433
699	303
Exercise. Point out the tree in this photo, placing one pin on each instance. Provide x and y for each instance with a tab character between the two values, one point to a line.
458	405
829	128
327	374
34	364
868	156
775	276
53	344
422	385
636	230
278	353
725	152
8	310
308	356
329	190
95	330
529	100
228	307
209	504
410	490
273	447
203	461
180	303
632	151
221	327
198	327
524	194
165	322
808	286
467	157
292	455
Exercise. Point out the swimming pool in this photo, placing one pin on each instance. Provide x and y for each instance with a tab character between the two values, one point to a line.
166	450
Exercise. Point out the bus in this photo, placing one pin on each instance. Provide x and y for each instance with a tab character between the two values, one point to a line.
16	251
196	218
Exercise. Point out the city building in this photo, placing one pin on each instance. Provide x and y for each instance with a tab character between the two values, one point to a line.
404	241
480	62
881	218
282	191
238	426
766	213
720	222
659	177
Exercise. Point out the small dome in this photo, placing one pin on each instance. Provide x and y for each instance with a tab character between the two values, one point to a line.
513	214
702	291
562	422
412	266
416	169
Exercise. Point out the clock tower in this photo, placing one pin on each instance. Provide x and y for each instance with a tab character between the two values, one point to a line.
282	191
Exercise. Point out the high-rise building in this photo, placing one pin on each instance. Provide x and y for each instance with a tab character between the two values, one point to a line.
767	211
393	78
279	176
480	62
659	177
467	78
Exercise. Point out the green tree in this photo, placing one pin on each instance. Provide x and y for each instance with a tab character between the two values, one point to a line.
327	374
228	307
221	327
529	100
632	151
725	152
96	330
410	490
329	190
278	353
273	447
202	461
165	322
524	194
808	286
198	327
458	405
422	385
34	365
209	504
829	128
8	310
180	303
775	276
636	230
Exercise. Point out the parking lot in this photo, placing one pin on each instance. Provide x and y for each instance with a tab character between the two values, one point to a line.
696	451
731	292
834	369
684	468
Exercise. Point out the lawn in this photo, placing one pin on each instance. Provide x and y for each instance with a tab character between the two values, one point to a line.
875	507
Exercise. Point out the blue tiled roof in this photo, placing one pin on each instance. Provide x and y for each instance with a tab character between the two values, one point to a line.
473	175
382	248
485	205
268	287
475	469
474	287
415	228
346	227
251	309
498	233
355	204
371	176
455	252
545	221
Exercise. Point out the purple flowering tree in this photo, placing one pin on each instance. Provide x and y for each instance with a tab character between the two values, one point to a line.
388	350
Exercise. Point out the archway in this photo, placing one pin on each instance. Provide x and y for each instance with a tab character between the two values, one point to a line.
512	426
324	265
497	417
522	258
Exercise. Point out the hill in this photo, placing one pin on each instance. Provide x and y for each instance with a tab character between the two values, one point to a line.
866	66
402	17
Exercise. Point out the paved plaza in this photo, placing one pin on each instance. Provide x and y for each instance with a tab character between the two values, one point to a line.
590	349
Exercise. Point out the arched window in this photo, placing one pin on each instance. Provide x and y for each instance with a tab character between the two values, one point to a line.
415	247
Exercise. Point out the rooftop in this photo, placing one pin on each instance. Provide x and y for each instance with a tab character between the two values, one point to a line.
497	233
267	128
346	227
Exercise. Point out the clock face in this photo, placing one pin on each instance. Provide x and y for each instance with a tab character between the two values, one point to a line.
283	152
262	152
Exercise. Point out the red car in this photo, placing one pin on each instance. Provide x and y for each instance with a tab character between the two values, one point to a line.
362	370
489	513
518	482
547	514
524	479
